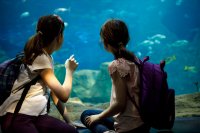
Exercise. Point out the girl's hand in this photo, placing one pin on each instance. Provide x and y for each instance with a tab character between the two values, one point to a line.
71	64
91	119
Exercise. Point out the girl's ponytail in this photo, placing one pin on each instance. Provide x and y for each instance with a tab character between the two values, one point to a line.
48	28
33	48
124	53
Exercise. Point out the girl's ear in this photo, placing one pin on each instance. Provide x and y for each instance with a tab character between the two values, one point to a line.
60	38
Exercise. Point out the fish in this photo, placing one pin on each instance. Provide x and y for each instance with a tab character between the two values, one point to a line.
139	54
150	52
56	65
157	37
66	24
170	59
109	11
147	43
25	14
157	41
179	43
59	10
192	69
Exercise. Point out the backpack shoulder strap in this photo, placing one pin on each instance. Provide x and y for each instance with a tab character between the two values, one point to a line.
137	63
25	91
141	62
140	65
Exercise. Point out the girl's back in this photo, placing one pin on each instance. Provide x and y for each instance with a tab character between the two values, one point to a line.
129	118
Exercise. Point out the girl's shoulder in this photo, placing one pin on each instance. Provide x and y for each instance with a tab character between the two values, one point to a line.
120	65
42	61
43	58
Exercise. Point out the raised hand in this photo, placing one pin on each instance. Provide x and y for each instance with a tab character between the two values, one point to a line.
71	64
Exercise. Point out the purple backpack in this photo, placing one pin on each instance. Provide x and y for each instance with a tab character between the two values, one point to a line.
157	101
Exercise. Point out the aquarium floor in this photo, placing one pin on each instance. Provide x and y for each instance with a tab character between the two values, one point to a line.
181	125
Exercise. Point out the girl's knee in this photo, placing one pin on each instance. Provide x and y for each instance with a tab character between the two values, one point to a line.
84	115
87	113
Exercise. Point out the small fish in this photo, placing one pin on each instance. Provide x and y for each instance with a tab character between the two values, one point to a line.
25	14
192	69
150	52
66	24
170	59
59	65
147	43
157	37
109	11
58	10
34	23
157	41
139	54
179	43
150	48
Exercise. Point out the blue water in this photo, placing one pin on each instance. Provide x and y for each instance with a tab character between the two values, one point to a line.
176	23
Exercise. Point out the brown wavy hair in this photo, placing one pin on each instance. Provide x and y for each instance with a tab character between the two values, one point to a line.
48	28
115	33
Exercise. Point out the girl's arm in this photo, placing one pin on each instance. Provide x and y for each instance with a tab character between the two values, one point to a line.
61	107
119	103
62	92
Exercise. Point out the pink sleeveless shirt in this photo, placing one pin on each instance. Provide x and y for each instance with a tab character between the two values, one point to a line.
129	118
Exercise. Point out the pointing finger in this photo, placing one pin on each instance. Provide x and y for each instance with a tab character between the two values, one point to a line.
72	56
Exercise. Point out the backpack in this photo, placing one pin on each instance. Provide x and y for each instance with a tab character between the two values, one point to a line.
157	101
9	71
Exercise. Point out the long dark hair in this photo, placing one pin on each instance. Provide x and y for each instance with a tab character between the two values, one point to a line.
48	28
115	33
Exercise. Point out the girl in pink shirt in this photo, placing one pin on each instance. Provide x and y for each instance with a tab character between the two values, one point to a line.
122	115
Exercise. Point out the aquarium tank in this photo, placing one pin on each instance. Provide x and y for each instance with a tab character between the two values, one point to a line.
161	29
